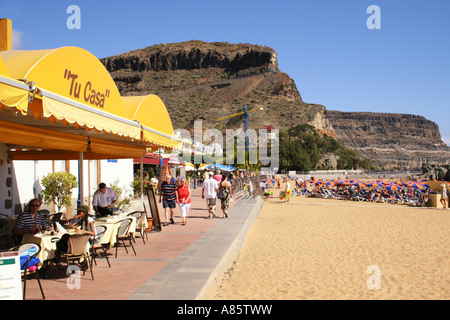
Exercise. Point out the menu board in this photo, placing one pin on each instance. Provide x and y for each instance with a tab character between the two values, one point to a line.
10	276
154	211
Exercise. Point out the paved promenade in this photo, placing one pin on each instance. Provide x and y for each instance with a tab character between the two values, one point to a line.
180	262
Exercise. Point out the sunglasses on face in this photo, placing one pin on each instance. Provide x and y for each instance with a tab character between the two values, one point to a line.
35	205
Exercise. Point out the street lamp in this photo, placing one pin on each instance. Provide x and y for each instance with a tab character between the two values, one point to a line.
246	124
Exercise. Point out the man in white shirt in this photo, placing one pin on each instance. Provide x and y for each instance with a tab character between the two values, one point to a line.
209	191
103	200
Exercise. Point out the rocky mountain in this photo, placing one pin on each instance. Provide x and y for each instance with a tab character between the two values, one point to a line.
206	81
390	140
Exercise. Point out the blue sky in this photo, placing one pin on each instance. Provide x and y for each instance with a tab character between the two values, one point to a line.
324	45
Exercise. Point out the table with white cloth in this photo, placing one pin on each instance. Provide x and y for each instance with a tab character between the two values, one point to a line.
48	247
112	224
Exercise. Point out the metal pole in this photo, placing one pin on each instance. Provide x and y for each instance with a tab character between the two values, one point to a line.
80	179
141	178
246	127
195	176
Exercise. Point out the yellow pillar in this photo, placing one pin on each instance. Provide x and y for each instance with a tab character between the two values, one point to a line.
5	34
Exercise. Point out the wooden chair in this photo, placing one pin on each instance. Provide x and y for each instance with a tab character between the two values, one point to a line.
56	218
123	233
34	250
97	244
139	215
77	251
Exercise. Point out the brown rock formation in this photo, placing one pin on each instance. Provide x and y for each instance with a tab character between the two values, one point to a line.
390	140
207	81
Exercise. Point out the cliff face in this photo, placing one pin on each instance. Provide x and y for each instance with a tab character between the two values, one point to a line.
390	140
206	81
195	55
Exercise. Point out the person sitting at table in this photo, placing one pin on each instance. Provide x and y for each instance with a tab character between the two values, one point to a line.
87	224
83	219
103	200
30	222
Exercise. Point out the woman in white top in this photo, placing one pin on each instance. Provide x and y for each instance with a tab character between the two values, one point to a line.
87	222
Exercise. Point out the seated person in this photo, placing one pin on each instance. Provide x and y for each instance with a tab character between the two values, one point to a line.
87	223
30	222
83	219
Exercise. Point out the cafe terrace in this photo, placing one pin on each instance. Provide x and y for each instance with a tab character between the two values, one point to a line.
62	105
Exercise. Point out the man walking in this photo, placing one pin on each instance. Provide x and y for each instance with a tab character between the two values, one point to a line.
209	191
103	200
169	196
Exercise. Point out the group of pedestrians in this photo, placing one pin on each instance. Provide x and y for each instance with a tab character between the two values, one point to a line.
215	187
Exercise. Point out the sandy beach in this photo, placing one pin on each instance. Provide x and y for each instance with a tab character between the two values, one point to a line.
312	248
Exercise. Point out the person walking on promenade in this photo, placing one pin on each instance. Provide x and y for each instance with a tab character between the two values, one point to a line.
444	196
225	195
209	191
184	199
218	176
250	189
103	200
169	196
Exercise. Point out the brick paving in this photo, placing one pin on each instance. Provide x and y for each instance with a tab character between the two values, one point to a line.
129	272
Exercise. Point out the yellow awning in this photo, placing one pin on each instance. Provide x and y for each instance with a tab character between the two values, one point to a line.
75	94
74	112
17	134
116	150
4	69
70	72
152	114
13	94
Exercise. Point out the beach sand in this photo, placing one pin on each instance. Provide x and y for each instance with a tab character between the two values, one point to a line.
313	248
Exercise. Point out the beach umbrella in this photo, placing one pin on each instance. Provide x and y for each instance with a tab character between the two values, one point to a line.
358	183
375	184
189	167
393	186
203	166
268	181
219	166
417	186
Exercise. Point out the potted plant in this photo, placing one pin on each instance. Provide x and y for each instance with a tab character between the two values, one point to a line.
123	203
57	188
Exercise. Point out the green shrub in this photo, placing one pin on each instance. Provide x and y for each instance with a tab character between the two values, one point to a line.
58	188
